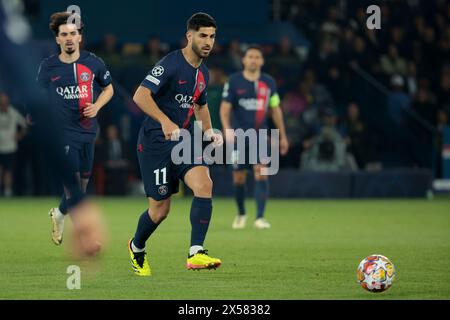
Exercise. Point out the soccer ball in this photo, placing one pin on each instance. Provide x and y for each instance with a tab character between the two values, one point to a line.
376	273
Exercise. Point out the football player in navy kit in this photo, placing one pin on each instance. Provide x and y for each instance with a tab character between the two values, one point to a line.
249	97
78	85
173	91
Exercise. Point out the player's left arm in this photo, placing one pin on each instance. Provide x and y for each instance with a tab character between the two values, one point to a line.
202	114
92	109
277	117
103	78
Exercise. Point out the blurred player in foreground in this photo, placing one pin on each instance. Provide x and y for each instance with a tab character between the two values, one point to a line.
79	85
18	65
248	97
172	91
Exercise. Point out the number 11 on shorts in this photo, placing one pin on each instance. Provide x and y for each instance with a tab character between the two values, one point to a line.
164	176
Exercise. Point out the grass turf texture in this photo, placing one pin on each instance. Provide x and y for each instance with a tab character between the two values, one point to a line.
311	252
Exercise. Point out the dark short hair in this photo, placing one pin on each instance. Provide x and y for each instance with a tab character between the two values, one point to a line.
59	18
200	19
253	47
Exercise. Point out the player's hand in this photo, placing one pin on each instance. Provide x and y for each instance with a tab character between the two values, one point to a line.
215	137
284	146
229	136
91	110
171	130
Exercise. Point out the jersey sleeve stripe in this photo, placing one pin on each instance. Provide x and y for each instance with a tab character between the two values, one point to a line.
152	79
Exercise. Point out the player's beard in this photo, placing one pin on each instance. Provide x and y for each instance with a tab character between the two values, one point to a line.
198	51
70	51
253	68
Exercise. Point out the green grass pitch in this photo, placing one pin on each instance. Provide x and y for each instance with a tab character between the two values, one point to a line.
311	252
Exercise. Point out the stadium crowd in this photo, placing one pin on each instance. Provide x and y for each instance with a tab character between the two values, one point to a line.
357	99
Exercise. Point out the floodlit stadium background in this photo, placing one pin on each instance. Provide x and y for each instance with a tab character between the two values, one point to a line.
326	62
386	93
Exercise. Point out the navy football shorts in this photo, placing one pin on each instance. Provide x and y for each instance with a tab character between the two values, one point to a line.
247	158
7	161
160	175
80	157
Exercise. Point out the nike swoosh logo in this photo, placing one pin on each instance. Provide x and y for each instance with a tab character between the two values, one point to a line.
241	91
182	81
55	78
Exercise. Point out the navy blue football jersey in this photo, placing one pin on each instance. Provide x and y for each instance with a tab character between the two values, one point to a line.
250	100
176	87
70	86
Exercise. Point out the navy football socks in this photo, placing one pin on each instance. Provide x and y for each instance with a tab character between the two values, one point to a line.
261	194
239	195
201	210
63	205
145	228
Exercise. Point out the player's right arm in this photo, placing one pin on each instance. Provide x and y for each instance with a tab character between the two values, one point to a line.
225	114
159	76
144	100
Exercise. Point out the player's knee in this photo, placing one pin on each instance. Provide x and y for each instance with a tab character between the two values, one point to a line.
258	175
160	211
203	188
159	215
239	178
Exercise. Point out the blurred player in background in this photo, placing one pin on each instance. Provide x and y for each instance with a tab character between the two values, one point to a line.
79	85
18	65
248	97
172	91
12	129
